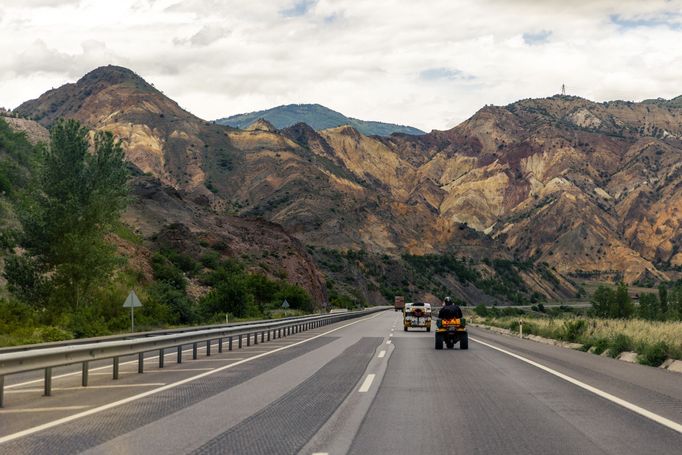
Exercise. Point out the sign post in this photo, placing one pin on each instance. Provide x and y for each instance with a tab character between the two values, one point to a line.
285	305
132	302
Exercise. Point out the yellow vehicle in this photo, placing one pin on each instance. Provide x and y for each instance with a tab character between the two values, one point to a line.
417	315
451	331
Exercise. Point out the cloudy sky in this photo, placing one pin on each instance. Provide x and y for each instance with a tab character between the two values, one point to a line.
427	63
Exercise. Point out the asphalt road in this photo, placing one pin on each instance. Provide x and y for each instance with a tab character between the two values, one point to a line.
361	386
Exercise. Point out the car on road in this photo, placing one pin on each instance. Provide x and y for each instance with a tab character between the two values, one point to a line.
417	314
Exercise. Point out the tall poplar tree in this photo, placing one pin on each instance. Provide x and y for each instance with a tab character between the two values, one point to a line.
77	199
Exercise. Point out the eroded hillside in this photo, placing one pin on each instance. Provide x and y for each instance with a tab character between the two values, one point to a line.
588	188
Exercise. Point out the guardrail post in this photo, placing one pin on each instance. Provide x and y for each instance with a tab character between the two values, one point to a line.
194	351
140	362
179	356
229	344
248	339
268	334
48	382
161	358
255	338
208	348
220	345
240	341
2	391
262	336
84	380
115	375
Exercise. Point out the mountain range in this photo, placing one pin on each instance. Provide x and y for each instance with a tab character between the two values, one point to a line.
317	117
563	187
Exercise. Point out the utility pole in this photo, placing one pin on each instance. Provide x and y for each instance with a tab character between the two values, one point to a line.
563	89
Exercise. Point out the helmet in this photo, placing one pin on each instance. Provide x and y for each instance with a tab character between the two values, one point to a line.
447	300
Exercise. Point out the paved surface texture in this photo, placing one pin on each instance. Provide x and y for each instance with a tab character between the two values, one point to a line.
361	386
482	401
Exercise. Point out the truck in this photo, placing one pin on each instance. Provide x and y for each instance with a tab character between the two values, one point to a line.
399	303
417	314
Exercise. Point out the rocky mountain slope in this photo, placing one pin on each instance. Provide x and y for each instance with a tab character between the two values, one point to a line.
316	116
184	221
590	189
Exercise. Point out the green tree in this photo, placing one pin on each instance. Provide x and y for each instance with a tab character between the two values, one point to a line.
602	301
649	307
663	300
297	297
78	197
230	295
675	303
623	307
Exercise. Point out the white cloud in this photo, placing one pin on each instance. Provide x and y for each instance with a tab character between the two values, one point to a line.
430	64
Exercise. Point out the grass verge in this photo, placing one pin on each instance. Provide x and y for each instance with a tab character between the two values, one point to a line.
653	341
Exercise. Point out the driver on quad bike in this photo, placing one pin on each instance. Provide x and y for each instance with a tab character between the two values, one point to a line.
450	310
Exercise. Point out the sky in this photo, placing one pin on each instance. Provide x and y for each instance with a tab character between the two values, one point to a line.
429	63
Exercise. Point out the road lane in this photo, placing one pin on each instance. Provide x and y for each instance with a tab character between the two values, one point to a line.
368	387
483	401
198	397
655	389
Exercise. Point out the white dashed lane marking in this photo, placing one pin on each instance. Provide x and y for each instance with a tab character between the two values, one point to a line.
367	384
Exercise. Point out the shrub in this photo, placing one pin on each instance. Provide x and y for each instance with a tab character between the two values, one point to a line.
653	354
601	345
573	330
481	310
618	344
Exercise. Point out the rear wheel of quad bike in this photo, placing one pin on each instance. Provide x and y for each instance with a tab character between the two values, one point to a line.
439	341
464	341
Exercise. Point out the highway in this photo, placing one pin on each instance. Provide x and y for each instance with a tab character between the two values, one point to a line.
361	386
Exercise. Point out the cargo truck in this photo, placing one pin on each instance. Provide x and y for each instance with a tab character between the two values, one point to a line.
399	303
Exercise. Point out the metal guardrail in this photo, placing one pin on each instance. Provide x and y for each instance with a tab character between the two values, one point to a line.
135	335
234	336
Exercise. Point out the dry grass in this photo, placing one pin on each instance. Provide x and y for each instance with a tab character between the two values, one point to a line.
642	334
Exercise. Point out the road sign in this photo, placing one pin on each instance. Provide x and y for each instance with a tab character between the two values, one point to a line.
132	302
285	304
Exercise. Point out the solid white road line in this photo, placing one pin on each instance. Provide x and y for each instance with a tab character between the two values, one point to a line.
112	386
612	398
165	370
58	408
382	354
173	385
216	360
367	383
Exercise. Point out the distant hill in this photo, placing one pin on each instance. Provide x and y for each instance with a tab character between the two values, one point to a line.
318	117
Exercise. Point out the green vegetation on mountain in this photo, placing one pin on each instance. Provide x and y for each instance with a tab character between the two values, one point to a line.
61	261
356	276
316	116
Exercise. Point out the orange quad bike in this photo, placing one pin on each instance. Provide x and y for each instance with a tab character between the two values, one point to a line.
451	331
